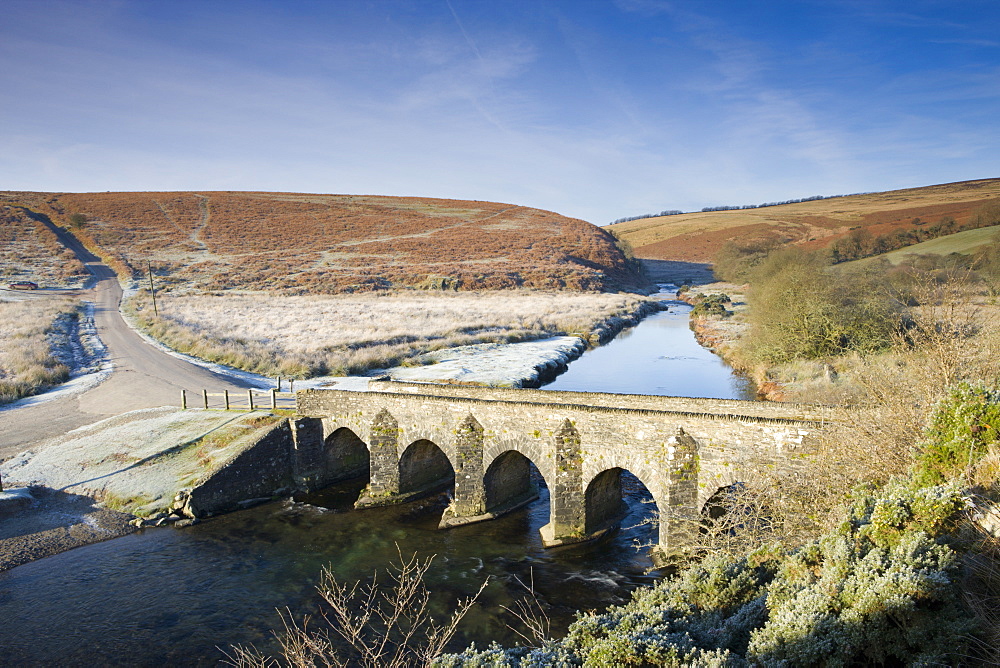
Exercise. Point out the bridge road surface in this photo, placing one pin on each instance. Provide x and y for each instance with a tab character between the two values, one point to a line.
143	376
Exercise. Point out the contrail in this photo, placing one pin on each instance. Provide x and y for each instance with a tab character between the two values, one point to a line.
475	49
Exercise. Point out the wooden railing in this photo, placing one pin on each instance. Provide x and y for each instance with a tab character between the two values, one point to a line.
248	400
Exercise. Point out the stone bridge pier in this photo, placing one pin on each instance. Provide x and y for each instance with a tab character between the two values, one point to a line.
413	439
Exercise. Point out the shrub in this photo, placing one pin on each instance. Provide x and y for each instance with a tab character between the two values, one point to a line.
964	425
802	309
712	305
737	259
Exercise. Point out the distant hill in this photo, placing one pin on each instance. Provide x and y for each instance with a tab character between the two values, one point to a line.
697	237
300	243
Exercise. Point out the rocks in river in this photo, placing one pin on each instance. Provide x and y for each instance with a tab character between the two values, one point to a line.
162	519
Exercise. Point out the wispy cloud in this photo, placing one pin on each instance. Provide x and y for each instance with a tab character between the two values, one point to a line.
595	111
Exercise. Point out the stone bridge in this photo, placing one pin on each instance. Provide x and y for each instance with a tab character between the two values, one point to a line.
415	438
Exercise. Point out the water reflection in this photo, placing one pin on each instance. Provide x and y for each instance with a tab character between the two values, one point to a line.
659	356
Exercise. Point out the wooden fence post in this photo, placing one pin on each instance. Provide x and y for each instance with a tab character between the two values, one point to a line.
204	396
274	398
226	393
184	400
279	383
250	398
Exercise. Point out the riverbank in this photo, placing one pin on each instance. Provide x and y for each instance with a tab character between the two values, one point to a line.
37	522
107	479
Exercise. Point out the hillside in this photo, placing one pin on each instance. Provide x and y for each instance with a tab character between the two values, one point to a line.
302	243
697	237
30	251
963	243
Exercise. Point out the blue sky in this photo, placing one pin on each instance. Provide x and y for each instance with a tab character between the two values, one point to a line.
596	109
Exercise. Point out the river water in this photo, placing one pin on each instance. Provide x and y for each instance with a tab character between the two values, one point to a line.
180	597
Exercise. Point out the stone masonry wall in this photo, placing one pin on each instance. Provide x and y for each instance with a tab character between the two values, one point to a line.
260	470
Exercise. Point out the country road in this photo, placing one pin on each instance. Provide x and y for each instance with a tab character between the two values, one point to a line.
143	376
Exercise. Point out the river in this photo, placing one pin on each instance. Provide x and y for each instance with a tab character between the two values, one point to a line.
175	597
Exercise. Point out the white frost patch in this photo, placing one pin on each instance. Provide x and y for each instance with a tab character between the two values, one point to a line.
350	383
88	359
19	494
494	364
126	456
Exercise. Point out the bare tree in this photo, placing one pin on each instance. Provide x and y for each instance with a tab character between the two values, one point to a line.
366	625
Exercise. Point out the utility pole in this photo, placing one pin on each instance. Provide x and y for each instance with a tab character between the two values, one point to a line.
152	290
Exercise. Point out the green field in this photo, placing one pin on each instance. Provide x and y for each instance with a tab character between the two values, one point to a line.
964	243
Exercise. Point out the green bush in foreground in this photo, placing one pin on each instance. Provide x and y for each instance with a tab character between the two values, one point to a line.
963	427
881	589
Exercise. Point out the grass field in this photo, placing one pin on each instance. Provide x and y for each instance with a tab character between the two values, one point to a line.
303	336
27	340
697	237
964	243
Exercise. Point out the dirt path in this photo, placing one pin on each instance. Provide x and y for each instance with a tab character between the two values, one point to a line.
143	377
206	214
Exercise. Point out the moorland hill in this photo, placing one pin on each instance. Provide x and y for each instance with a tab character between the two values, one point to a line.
821	223
308	243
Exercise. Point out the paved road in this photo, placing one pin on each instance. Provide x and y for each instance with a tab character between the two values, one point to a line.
143	377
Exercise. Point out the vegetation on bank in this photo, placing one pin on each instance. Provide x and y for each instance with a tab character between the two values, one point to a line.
898	575
879	589
801	306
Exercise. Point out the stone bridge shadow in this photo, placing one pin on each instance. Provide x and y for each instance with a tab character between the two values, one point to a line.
412	439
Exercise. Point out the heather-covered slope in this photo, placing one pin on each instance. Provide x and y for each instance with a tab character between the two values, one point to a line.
697	237
298	243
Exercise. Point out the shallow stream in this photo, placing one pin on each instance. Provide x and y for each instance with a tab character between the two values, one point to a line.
175	597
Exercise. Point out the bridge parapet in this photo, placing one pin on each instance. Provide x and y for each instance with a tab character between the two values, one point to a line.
706	406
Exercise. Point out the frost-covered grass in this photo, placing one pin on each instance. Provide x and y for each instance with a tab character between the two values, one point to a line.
28	337
302	336
138	461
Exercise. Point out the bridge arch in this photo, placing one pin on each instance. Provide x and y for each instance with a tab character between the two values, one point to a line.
538	454
711	484
423	465
345	456
507	482
604	498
